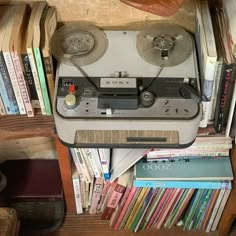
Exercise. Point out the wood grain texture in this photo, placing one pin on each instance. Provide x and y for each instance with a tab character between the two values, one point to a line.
65	168
15	127
28	148
115	14
229	212
90	225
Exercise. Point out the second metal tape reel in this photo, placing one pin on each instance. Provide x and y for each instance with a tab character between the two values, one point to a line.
79	44
164	44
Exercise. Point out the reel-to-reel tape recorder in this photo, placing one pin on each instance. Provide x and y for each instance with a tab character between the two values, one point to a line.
126	88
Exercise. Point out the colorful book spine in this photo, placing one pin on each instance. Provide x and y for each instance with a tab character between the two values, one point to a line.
159	207
30	80
209	210
183	184
14	81
113	202
97	191
42	80
139	217
215	209
123	210
4	98
36	80
22	84
2	108
220	210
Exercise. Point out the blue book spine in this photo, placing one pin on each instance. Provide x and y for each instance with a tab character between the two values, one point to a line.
183	184
8	86
106	176
4	96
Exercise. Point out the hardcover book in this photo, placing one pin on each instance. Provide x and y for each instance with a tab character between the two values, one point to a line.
195	169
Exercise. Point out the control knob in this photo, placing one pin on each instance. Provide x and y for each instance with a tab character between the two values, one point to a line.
70	99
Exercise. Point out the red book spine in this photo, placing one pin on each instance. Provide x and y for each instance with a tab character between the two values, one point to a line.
113	202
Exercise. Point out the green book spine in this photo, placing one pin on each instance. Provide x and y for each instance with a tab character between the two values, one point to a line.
192	208
42	79
203	206
152	208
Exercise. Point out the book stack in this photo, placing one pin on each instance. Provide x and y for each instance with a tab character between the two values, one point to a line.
151	188
215	38
26	68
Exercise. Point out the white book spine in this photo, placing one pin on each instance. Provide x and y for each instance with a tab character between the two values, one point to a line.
93	156
215	87
22	84
220	210
80	158
14	82
231	113
2	108
77	194
205	110
36	79
76	162
104	155
215	209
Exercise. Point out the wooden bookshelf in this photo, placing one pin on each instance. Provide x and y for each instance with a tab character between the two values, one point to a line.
16	127
78	222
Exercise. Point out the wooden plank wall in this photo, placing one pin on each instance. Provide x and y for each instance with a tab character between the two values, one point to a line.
114	14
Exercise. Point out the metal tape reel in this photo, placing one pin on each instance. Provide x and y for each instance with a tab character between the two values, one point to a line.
164	44
80	43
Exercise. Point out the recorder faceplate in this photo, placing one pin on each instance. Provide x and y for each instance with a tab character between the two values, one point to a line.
123	100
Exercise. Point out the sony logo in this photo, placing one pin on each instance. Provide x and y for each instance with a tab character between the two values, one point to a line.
118	83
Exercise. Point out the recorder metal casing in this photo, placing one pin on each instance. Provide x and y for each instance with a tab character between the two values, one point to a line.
119	112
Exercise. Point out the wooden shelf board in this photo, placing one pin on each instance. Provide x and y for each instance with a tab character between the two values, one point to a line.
20	126
90	225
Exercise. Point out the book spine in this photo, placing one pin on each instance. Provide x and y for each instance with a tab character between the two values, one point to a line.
215	209
113	201
147	204
167	207
215	89
223	96
22	84
30	80
36	80
97	191
48	66
103	195
6	107
122	213
147	218
2	108
42	80
77	195
183	184
105	162
15	85
220	210
202	207
231	112
176	208
129	209
92	160
8	86
159	207
192	208
119	208
83	166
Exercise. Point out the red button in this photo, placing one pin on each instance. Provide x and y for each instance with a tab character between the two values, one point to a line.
71	88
